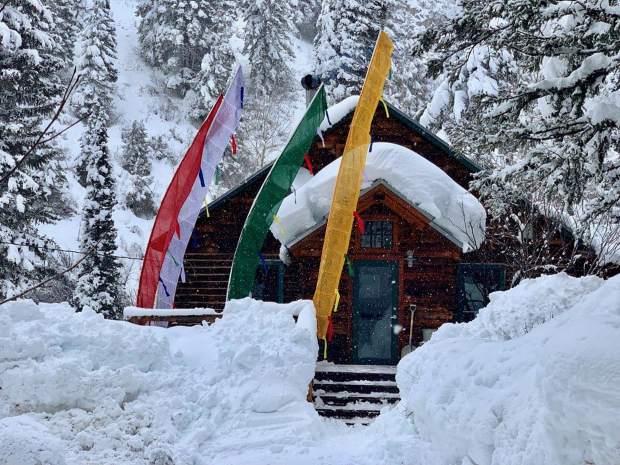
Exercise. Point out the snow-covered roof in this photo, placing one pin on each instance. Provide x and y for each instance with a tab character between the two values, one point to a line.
451	210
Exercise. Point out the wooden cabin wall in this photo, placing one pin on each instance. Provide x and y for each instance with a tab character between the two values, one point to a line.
387	130
430	284
210	253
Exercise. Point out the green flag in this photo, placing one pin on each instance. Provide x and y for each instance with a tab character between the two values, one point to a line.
276	187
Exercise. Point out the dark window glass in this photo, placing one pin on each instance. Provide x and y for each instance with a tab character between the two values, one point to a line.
477	281
268	284
377	235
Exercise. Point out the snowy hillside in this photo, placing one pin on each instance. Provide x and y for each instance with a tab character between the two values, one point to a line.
141	96
532	381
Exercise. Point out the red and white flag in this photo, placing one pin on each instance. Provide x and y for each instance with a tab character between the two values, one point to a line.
177	215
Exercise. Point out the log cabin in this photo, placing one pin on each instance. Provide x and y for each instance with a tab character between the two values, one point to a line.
404	278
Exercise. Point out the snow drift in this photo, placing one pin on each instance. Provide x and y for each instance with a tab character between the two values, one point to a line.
533	380
449	207
78	389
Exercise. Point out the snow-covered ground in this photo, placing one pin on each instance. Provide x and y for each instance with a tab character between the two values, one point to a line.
532	381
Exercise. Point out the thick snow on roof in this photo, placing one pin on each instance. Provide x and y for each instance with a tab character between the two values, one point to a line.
337	112
451	209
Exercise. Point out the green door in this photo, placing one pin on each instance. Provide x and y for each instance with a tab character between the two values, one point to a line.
375	304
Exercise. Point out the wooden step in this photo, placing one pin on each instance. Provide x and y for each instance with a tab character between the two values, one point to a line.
354	394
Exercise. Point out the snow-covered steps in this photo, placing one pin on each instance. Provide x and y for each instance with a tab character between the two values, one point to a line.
353	393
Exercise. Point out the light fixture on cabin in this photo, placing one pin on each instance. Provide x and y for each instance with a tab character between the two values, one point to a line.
410	258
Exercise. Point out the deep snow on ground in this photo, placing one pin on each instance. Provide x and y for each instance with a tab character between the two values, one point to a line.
532	381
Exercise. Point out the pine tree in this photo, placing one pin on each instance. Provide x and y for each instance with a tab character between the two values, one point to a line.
408	87
184	39
97	68
268	30
136	161
98	287
305	15
347	33
216	66
97	65
66	28
29	91
543	84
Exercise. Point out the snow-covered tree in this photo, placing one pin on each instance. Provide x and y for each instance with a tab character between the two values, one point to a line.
268	30
540	80
183	38
97	61
65	14
136	161
98	286
305	15
347	32
215	71
30	88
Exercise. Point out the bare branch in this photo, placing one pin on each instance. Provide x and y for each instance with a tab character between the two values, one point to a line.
73	82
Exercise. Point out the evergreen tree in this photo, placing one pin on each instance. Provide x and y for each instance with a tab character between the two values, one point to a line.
29	91
543	83
305	15
347	32
216	66
135	160
66	28
98	286
184	39
97	69
97	60
268	30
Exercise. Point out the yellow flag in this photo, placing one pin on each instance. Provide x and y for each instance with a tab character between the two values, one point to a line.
348	183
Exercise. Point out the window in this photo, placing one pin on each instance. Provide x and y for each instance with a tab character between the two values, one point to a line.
269	282
377	235
476	282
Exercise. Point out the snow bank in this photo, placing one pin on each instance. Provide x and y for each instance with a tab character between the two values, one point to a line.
533	380
78	389
450	207
130	312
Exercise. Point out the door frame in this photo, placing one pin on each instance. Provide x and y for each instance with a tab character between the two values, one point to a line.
393	360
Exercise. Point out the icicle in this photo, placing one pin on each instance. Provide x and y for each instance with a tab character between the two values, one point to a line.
309	164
